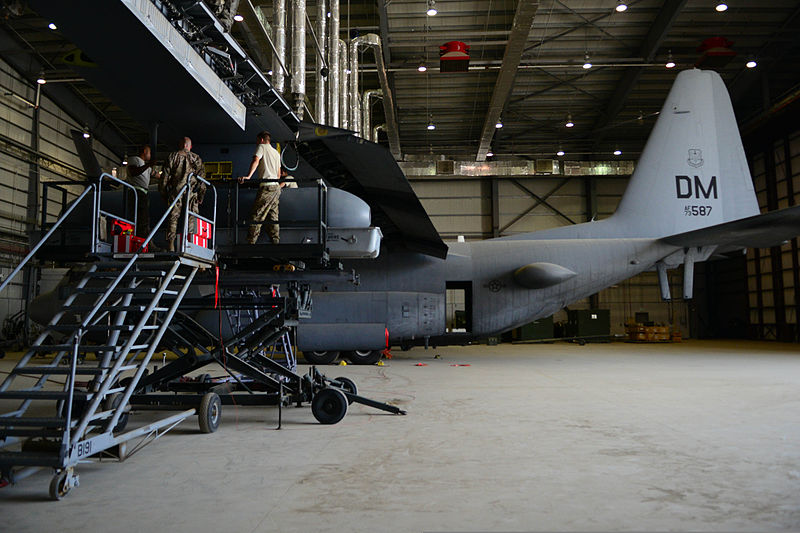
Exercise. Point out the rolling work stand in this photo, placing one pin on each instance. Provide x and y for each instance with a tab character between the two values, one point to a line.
119	311
254	376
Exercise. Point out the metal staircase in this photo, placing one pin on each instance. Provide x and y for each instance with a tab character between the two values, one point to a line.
101	342
125	310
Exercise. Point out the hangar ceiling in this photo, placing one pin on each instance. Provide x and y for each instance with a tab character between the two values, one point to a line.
526	69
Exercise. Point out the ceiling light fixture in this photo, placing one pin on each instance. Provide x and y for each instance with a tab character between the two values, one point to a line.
422	67
560	152
670	61
490	153
52	26
499	123
431	8
238	18
569	122
751	64
586	63
431	125
617	152
86	133
722	6
621	6
41	79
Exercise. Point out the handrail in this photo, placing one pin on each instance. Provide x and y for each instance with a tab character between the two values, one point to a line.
47	236
322	208
98	211
187	212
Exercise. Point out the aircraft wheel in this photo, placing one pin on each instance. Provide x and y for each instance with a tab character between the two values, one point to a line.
210	412
348	385
112	403
329	406
320	358
364	357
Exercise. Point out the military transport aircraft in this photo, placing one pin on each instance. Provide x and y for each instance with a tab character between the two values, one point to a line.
690	197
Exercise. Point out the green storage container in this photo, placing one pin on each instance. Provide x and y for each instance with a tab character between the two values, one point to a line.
536	330
589	323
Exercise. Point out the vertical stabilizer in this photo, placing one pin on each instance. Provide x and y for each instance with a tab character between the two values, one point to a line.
693	172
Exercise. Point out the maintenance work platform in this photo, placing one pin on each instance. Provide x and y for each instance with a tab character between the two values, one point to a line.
121	303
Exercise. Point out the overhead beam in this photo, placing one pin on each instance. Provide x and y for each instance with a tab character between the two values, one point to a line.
520	30
652	41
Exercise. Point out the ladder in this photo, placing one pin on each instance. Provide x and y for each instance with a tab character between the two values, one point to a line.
116	314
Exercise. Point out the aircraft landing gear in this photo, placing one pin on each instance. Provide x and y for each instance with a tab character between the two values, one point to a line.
320	358
363	357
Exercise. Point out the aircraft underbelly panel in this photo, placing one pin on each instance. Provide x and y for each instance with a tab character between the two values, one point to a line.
407	315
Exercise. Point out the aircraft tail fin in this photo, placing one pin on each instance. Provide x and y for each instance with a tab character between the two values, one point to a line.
693	172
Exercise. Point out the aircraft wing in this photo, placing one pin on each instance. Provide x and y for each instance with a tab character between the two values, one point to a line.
370	172
759	231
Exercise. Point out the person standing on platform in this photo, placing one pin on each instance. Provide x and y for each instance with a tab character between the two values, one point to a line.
140	170
286	176
178	167
266	163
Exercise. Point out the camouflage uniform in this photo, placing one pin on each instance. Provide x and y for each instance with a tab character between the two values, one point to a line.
265	208
179	165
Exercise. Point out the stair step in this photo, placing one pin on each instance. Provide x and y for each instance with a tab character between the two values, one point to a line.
118	290
72	327
43	395
135	308
6	421
30	432
130	274
57	370
30	459
84	347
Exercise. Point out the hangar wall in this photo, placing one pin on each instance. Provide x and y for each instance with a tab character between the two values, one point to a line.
35	145
479	208
773	275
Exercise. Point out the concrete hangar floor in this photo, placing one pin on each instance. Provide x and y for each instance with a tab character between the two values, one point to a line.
692	436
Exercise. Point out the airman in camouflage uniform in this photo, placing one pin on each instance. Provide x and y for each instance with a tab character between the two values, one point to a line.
179	166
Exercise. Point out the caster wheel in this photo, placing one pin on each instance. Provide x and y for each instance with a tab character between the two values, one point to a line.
329	406
62	483
347	385
210	412
320	358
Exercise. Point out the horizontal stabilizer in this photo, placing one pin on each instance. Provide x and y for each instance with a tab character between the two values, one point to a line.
760	231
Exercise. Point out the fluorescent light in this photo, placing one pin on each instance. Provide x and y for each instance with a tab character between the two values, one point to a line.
238	18
621	6
722	6
751	64
52	26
